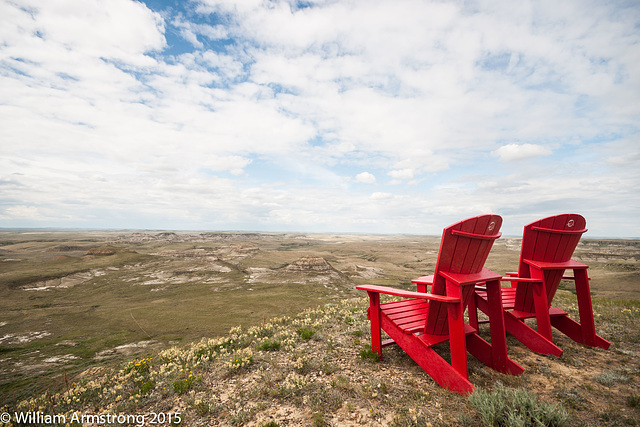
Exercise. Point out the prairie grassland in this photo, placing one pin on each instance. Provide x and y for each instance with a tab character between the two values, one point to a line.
121	330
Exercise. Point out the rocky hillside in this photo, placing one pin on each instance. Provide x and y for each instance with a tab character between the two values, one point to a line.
316	369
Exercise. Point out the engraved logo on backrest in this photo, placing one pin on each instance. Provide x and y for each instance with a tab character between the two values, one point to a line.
492	225
570	223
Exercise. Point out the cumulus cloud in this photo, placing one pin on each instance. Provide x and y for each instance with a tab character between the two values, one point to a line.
366	178
402	174
512	152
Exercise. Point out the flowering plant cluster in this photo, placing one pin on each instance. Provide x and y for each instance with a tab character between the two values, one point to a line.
178	371
240	359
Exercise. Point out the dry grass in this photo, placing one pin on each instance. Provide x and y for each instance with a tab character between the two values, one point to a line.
309	368
325	379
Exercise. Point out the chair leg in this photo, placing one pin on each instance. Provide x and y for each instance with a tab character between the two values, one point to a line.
482	350
573	330
473	312
457	340
529	336
584	307
583	332
497	327
374	317
541	305
434	365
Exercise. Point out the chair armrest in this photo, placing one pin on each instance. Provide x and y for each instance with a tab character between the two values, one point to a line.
406	294
423	283
566	265
423	280
485	275
511	273
520	279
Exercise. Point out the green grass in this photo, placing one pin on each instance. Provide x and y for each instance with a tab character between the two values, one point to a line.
366	353
183	385
114	309
306	333
269	345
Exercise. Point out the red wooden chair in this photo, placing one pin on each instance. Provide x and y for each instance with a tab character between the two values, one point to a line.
547	247
424	320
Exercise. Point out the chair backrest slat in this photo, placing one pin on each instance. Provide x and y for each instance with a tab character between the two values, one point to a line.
551	239
464	248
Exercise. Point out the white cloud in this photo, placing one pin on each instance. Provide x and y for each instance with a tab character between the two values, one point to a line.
23	212
119	30
190	31
402	174
381	196
420	91
366	178
511	152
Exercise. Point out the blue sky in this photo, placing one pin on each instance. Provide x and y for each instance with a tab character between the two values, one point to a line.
318	116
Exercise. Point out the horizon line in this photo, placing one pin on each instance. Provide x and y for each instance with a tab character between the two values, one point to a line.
161	230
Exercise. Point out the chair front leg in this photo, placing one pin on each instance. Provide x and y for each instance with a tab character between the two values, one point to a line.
457	340
374	317
541	304
497	327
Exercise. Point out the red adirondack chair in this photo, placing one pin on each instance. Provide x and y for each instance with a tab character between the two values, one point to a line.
547	248
424	320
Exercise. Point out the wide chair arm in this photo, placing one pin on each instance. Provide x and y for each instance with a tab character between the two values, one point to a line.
406	294
512	277
423	282
520	279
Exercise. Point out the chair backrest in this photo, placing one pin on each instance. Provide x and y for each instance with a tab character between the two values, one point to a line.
464	248
551	239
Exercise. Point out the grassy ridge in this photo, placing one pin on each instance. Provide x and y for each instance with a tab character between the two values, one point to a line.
313	369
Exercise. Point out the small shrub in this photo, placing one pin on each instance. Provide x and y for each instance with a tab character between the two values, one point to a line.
241	417
633	401
516	407
306	333
303	365
609	378
146	387
292	385
182	386
341	383
368	354
270	345
202	408
318	419
328	368
324	400
240	359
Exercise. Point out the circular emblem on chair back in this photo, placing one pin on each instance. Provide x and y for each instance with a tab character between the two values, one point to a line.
491	226
570	223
